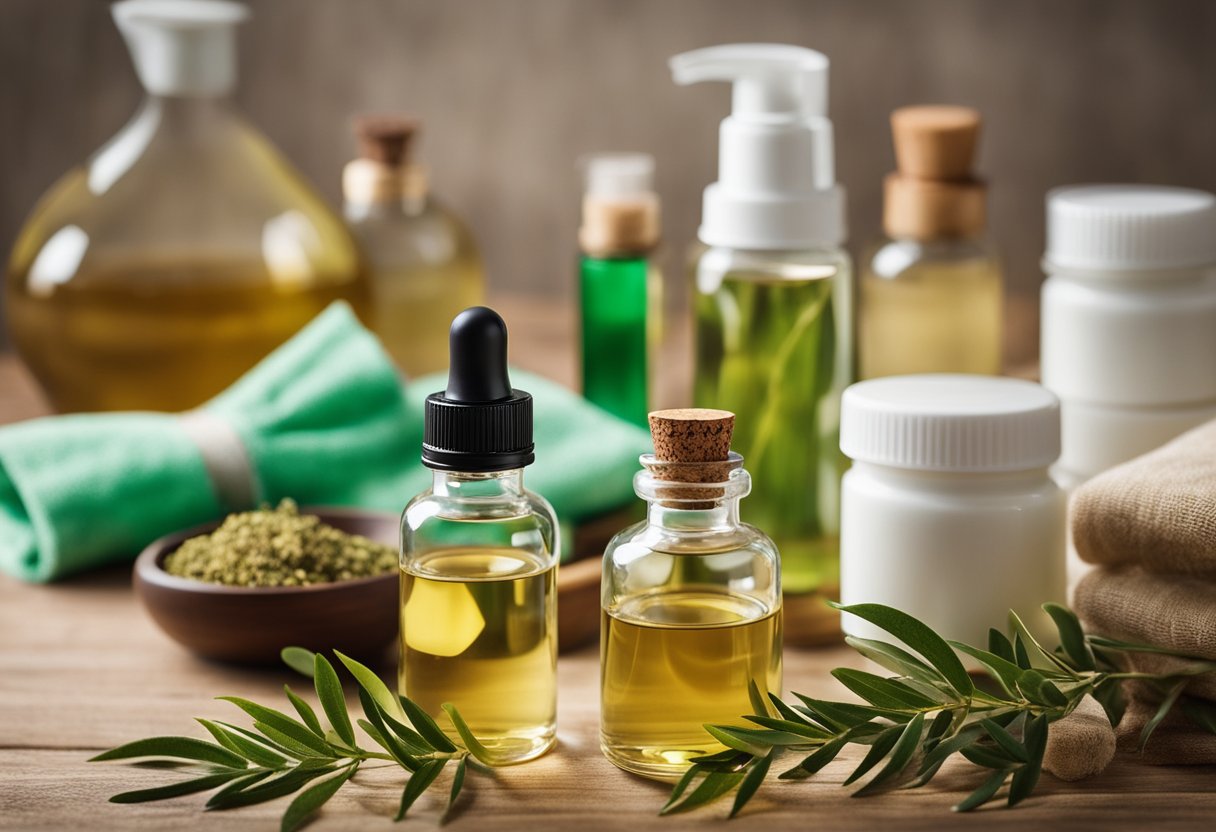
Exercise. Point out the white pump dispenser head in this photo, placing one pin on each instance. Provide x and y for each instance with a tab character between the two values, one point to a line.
182	47
776	185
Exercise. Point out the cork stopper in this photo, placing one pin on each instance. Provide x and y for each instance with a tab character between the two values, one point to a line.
692	445
936	141
385	139
383	172
934	195
692	434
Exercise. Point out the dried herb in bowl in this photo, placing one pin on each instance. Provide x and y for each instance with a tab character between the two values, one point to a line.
278	547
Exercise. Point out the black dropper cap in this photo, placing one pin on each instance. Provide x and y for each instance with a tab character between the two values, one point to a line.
480	423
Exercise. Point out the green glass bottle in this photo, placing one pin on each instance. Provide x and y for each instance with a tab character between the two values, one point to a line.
618	285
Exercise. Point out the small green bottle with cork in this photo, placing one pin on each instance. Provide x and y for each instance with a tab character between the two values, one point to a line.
619	285
479	557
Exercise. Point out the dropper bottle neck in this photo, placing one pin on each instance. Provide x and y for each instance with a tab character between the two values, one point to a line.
484	485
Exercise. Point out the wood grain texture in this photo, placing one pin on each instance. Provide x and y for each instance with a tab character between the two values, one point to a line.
82	668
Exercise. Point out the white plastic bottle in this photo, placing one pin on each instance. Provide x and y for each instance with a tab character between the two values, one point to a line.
772	305
1129	319
948	512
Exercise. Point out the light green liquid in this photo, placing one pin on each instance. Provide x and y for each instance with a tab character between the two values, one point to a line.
775	351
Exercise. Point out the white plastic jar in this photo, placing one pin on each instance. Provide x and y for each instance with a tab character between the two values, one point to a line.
1128	319
949	512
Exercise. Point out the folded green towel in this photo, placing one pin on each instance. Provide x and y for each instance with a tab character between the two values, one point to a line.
324	420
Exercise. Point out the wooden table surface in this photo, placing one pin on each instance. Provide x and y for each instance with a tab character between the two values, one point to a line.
82	669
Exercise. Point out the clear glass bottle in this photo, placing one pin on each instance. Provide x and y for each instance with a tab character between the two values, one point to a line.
620	288
931	306
691	602
932	292
186	249
479	556
425	266
774	344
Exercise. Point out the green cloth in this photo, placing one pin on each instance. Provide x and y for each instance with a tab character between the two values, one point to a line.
324	419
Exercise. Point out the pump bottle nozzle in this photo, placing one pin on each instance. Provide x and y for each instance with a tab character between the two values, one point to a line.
776	185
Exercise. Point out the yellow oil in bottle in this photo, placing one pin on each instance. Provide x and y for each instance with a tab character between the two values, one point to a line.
675	660
479	630
168	335
936	316
415	304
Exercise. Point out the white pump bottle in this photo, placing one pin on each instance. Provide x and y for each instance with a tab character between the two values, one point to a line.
773	309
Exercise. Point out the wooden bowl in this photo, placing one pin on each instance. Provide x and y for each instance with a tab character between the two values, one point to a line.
250	625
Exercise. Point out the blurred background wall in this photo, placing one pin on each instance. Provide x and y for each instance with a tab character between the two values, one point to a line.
511	92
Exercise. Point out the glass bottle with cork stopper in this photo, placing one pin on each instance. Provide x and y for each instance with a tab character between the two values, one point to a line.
691	601
425	266
932	293
479	557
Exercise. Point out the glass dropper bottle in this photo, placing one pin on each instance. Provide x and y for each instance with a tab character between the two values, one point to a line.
479	556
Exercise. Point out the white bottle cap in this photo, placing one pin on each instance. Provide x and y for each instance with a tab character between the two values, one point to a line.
182	47
619	175
958	423
1129	228
776	185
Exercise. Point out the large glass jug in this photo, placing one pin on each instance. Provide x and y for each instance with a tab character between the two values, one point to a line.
185	249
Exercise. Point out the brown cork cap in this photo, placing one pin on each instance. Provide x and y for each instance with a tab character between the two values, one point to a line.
934	195
692	434
385	139
936	141
692	445
619	226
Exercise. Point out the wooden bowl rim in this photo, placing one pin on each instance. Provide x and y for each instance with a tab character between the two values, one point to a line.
149	566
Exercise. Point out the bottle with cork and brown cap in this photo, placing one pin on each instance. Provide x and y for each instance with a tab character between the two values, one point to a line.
424	262
691	602
931	292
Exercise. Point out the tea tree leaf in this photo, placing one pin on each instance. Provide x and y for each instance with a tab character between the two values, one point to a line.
1006	673
715	784
471	743
759	701
457	785
290	755
1072	637
252	751
755	775
681	786
298	659
372	683
884	693
307	714
878	751
894	658
800	728
313	798
1000	645
280	722
183	787
901	756
812	764
426	726
985	792
1166	704
730	740
333	701
1006	741
418	783
920	637
179	748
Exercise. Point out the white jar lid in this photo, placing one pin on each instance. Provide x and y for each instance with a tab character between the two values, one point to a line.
951	423
1129	227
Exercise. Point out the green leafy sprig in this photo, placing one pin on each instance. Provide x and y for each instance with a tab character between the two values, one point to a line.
282	754
932	710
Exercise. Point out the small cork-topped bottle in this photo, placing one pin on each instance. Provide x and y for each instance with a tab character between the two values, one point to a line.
931	292
691	602
425	266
